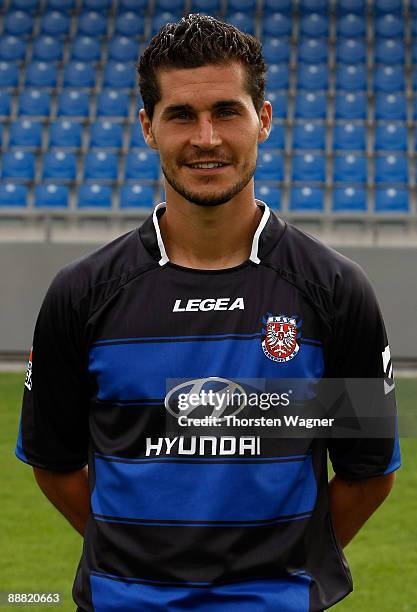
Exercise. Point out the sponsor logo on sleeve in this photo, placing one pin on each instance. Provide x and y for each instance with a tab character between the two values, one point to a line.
28	381
389	383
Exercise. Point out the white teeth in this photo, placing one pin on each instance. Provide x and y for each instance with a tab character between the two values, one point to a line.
206	165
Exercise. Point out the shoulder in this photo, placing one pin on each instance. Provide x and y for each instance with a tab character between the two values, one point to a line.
302	256
101	272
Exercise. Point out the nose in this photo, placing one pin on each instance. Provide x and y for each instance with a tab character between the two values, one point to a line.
205	135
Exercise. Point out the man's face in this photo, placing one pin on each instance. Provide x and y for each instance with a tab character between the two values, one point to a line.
206	130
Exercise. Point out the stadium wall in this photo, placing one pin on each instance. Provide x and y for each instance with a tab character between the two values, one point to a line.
26	270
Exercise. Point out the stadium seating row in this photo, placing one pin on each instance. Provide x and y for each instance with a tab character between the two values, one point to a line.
301	198
144	164
312	135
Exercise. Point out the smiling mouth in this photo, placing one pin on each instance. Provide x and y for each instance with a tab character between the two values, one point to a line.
206	165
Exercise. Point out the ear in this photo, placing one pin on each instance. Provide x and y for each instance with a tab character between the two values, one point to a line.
265	121
147	129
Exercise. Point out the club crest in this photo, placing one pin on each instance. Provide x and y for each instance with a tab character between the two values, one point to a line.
280	342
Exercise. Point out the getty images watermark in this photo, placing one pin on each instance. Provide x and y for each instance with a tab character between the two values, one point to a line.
220	406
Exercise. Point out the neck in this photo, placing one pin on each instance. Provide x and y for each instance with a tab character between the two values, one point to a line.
210	237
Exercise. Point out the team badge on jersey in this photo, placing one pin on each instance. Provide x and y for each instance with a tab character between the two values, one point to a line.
280	341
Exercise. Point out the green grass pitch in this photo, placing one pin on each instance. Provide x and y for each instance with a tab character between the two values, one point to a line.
40	551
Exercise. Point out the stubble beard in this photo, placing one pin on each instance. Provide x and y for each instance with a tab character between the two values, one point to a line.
209	199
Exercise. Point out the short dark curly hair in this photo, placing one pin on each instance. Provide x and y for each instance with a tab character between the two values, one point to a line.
195	41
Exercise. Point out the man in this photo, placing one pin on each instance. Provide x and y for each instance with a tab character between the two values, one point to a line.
173	523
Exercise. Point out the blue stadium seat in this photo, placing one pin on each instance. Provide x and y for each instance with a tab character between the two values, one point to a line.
135	195
85	49
312	51
94	196
351	6
47	49
142	164
349	199
65	133
350	51
389	6
129	24
308	166
24	5
270	166
350	168
92	23
276	138
268	194
309	135
136	138
18	23
123	49
18	165
97	5
55	23
25	133
351	106
79	74
390	106
34	102
133	5
276	50
312	76
389	26
112	103
414	26
13	194
414	52
306	198
41	74
175	6
391	137
349	136
160	19
59	165
211	7
12	48
276	24
278	76
1	135
275	6
9	74
61	5
246	6
106	134
389	79
100	165
392	168
73	103
389	51
414	107
351	25
279	101
313	6
351	77
243	22
310	105
51	196
314	25
119	75
5	103
392	199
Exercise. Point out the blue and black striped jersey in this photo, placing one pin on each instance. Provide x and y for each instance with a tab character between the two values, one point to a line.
203	522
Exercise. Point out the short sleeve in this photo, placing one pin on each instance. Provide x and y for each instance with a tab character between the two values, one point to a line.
359	358
53	431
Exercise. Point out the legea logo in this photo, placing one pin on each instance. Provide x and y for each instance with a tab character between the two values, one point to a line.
202	397
198	304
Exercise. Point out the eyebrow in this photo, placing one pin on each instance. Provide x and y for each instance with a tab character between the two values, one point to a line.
176	108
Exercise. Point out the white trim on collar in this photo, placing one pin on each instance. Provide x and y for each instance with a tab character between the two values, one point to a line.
255	242
164	257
